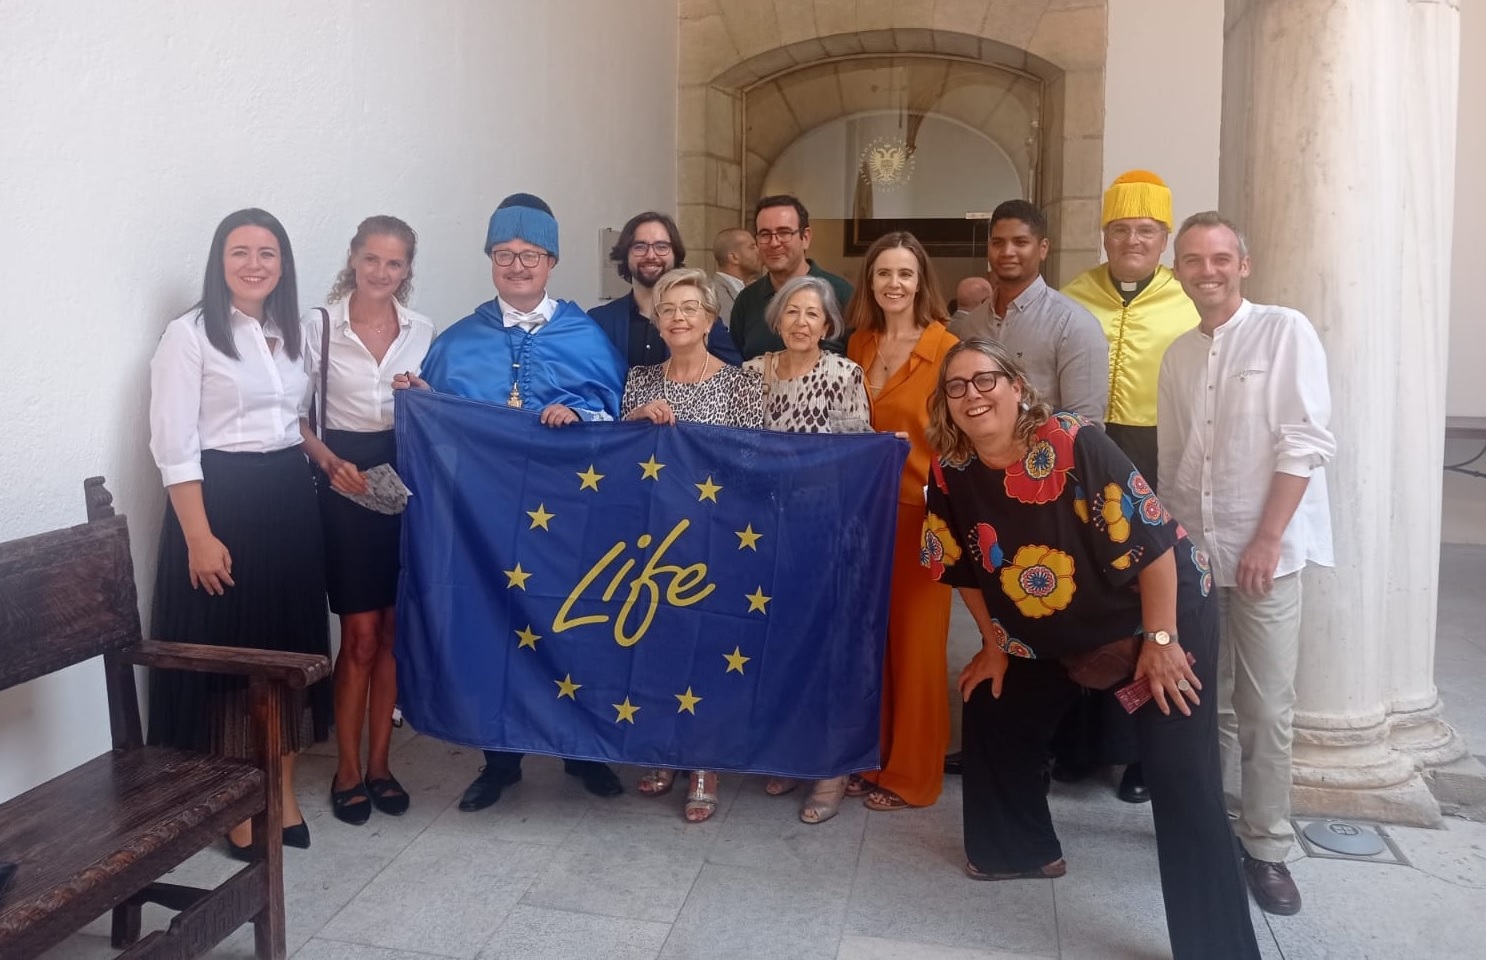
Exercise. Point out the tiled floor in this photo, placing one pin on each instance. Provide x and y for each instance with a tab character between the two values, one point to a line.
551	873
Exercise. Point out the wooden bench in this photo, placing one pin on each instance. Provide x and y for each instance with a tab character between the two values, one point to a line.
99	837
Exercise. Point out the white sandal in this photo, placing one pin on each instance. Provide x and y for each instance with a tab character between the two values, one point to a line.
701	803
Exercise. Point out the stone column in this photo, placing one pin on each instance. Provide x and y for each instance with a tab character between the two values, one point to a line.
1319	113
1429	87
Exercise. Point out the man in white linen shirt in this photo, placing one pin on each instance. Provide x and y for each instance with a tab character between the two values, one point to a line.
1242	412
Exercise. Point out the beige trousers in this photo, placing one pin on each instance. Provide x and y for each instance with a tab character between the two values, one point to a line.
1257	659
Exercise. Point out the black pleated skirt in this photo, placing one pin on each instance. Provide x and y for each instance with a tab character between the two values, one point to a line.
361	546
262	507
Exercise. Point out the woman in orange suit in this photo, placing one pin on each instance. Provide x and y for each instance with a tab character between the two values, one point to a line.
899	339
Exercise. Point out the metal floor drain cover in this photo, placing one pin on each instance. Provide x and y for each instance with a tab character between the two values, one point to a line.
1348	840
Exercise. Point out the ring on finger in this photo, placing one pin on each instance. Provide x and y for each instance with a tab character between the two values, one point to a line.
1183	685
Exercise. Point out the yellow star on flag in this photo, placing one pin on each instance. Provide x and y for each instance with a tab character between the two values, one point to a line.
708	489
566	688
757	600
626	711
540	516
590	478
651	469
516	578
735	660
688	702
747	538
528	638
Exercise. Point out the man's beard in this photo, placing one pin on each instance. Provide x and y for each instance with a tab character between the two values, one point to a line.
649	282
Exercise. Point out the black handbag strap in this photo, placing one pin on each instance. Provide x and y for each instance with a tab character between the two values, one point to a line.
324	371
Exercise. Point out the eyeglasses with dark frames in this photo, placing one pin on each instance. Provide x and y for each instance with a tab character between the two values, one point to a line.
782	235
985	381
661	247
528	258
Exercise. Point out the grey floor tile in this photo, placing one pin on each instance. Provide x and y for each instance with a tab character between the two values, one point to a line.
785	844
625	865
319	949
530	933
876	948
909	886
543	808
1373	911
443	894
747	912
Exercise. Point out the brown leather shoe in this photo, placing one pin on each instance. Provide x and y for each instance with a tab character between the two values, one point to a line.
1273	888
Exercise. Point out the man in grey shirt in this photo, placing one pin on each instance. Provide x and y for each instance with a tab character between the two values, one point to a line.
1060	344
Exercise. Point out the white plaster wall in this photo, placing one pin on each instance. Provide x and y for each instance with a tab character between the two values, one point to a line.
1466	394
129	130
1163	96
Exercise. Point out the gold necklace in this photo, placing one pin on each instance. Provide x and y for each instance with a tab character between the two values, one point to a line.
665	378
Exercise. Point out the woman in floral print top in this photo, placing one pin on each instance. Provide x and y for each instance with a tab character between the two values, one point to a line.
1058	547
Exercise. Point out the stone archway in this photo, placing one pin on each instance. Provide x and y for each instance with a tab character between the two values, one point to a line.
727	49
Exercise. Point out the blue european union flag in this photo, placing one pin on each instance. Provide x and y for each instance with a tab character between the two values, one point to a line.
690	596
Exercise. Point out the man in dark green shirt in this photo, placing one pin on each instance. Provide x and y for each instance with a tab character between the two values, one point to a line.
782	228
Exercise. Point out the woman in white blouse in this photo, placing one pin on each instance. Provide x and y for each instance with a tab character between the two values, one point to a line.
241	562
358	342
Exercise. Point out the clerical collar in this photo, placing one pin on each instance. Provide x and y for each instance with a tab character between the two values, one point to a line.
1128	290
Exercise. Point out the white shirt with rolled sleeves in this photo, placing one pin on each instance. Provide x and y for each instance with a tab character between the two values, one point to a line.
202	399
359	396
1233	409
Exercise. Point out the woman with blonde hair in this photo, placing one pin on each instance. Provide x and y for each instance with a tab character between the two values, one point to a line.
899	339
698	387
1076	576
354	346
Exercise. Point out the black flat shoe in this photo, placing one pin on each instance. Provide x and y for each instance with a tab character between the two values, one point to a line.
388	796
347	807
487	788
297	836
243	853
597	778
1132	786
954	763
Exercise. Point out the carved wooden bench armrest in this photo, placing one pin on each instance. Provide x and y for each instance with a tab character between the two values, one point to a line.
297	670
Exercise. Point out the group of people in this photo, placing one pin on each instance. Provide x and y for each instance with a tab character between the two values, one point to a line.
1030	488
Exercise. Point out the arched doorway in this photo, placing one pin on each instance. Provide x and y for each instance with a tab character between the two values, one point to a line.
736	60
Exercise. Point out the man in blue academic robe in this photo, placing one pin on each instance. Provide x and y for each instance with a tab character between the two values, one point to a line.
528	350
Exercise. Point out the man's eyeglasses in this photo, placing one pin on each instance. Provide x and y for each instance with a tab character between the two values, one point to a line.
639	248
690	309
783	235
528	258
985	382
1121	232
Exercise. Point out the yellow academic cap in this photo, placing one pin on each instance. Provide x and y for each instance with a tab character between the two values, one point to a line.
1137	193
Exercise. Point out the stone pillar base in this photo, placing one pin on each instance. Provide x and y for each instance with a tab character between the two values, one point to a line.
1355	773
1425	737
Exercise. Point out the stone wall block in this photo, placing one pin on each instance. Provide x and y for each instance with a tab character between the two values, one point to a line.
960	16
1073	39
796	21
754	27
814	96
1013	22
706	49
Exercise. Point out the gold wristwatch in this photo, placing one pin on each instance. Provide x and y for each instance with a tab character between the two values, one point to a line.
1161	638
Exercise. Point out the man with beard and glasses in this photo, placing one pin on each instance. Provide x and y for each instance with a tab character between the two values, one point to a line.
782	227
1058	342
648	247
